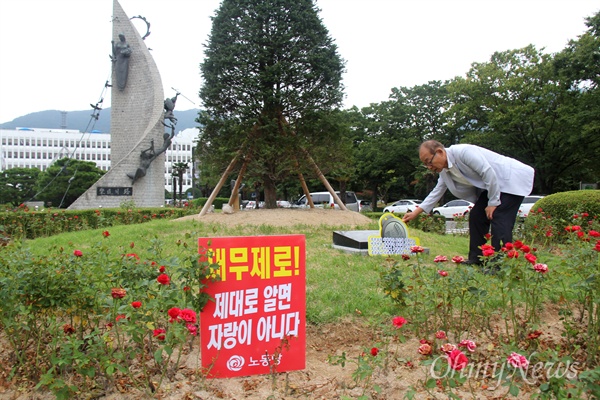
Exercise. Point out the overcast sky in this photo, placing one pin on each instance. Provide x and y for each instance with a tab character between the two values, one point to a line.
55	53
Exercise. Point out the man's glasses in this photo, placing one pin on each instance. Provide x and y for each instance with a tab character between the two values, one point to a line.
430	162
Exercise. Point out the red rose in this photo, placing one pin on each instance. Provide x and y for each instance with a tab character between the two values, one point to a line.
531	258
174	312
136	304
68	329
188	315
534	335
77	253
488	252
398	322
105	234
374	351
163	279
159	334
161	269
457	360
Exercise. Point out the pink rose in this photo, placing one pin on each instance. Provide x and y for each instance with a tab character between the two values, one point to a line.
469	344
442	272
458	259
425	349
440	335
192	329
440	259
447	348
118	293
517	360
541	268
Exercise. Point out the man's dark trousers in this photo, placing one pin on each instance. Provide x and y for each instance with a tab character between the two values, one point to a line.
502	223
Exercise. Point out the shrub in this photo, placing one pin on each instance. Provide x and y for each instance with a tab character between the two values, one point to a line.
576	207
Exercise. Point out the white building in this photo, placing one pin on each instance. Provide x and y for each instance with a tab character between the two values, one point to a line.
39	148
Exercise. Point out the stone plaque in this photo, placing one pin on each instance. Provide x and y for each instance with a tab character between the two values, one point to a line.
114	191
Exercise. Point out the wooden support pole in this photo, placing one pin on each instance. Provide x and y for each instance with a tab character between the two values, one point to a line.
212	196
324	181
311	204
233	200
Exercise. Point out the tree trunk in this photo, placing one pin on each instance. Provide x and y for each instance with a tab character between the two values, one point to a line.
181	189
374	197
343	191
174	193
270	193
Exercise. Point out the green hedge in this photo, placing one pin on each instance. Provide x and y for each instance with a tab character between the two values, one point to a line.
217	202
22	223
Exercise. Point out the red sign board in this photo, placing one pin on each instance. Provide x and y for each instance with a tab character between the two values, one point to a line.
256	323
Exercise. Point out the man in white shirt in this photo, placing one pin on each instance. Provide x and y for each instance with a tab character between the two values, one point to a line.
495	183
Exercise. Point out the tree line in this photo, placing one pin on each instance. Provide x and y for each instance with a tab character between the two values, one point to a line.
272	93
273	88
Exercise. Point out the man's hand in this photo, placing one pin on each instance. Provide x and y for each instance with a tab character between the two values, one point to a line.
489	211
409	216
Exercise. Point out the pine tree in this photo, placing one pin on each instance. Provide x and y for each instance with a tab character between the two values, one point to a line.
272	89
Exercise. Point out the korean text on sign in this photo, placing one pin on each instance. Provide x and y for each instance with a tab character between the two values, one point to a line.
257	318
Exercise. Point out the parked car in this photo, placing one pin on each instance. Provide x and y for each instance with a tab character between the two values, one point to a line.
527	205
283	204
454	208
403	206
325	199
251	205
364	206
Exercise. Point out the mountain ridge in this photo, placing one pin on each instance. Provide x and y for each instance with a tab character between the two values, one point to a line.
84	121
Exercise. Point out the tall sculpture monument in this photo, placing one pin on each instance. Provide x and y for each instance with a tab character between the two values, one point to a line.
138	138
